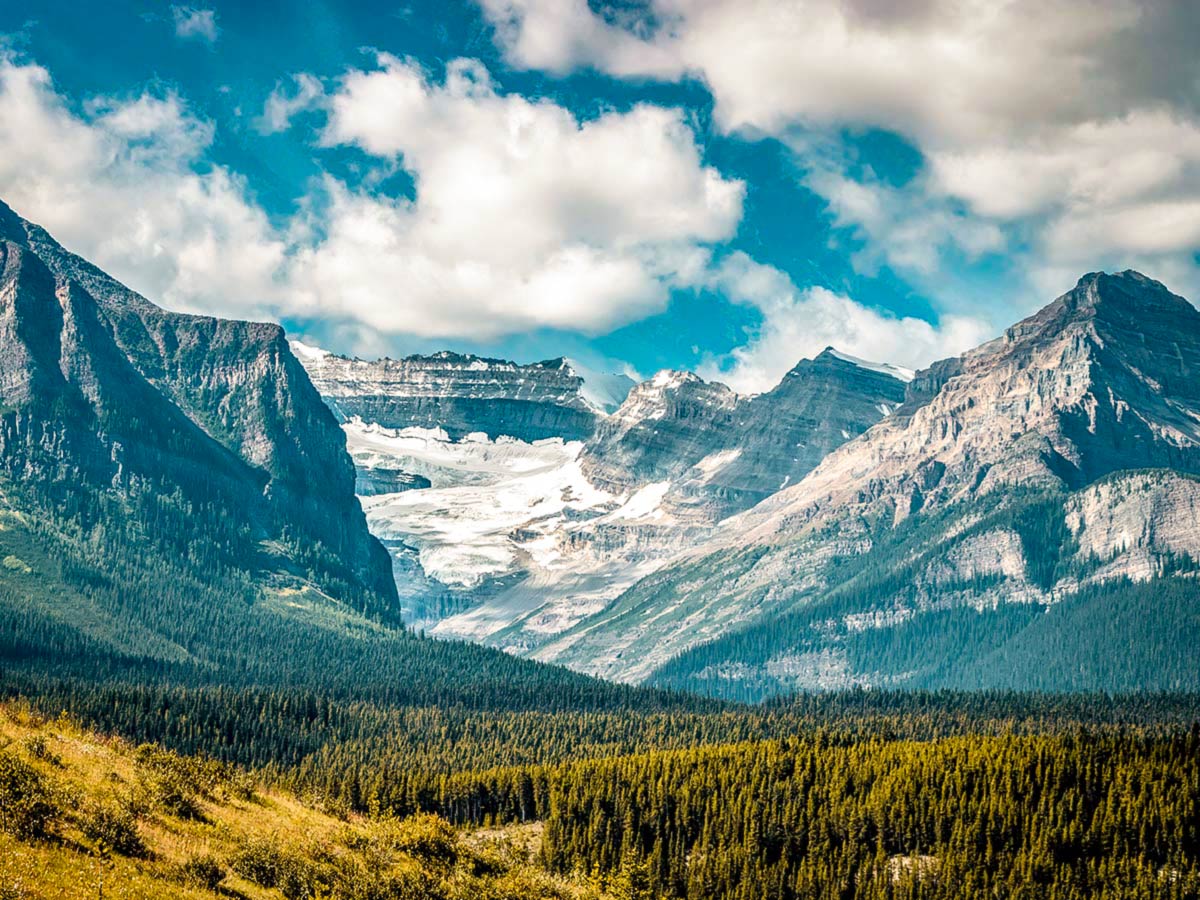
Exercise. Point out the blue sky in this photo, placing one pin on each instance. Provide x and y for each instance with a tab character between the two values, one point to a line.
706	184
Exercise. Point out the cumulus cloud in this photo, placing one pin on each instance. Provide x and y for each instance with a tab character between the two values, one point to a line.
799	324
1043	119
905	229
286	101
524	215
192	23
118	184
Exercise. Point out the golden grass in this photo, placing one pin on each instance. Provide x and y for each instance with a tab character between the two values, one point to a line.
85	770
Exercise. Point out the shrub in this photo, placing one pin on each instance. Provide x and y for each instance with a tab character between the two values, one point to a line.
406	883
15	892
174	782
203	871
425	836
39	748
115	831
259	861
27	806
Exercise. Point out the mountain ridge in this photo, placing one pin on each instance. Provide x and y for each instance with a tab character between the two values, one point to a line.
1014	433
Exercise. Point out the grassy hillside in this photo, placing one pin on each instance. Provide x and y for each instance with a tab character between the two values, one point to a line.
85	816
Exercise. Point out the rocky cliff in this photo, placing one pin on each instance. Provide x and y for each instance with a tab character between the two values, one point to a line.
119	415
723	453
511	539
463	394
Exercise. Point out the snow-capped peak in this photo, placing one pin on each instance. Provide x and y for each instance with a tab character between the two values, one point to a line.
899	372
672	378
308	351
602	391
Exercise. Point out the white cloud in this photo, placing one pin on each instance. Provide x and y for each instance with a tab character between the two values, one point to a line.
940	71
197	24
117	185
801	323
524	216
904	228
283	104
1073	125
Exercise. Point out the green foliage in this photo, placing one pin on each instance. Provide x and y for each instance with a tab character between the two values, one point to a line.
28	808
1062	816
203	871
39	748
423	836
1113	636
113	831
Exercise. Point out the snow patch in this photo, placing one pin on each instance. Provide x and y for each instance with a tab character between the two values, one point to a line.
715	462
602	391
646	503
898	372
307	351
491	501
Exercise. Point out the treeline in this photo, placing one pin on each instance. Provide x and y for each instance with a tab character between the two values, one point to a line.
1117	636
397	758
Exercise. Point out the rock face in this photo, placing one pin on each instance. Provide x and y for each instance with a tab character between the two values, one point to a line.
1102	379
1009	475
108	402
463	394
723	453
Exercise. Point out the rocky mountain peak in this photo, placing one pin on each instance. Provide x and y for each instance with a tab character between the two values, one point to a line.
129	399
1101	379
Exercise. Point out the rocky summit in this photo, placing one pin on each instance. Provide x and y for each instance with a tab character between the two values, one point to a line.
464	394
1024	475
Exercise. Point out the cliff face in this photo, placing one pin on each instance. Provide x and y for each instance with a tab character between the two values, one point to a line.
1102	379
461	394
502	534
104	396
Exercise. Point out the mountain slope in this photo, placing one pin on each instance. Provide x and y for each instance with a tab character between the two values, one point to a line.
1011	475
723	453
177	508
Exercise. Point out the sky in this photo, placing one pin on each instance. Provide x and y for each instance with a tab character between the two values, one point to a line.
724	186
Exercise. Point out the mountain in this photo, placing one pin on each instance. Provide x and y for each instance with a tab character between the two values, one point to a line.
1019	491
194	427
722	452
463	394
513	540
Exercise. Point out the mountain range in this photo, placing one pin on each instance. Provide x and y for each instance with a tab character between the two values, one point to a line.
181	491
858	524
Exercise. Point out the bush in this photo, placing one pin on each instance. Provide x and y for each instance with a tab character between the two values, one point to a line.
27	806
367	883
259	861
425	836
39	748
175	783
203	871
115	831
15	892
